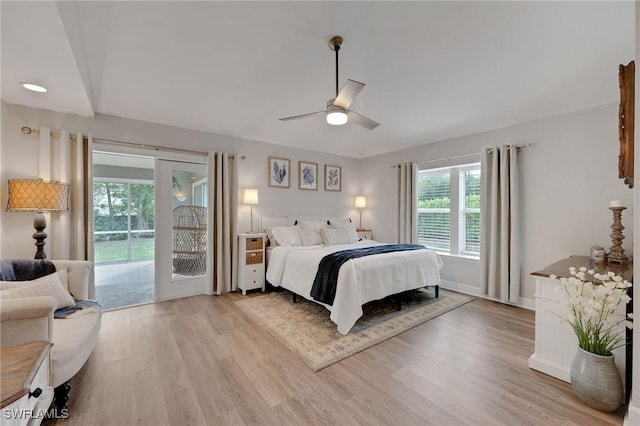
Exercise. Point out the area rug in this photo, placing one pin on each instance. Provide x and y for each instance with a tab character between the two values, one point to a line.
306	329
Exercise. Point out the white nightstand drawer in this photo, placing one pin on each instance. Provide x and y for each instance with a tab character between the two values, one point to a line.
254	279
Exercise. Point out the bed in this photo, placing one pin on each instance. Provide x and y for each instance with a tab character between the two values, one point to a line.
360	280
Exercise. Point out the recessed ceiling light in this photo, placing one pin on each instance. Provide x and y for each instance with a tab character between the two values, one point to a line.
33	87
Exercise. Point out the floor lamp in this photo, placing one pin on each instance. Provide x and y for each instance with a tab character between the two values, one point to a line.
39	196
251	198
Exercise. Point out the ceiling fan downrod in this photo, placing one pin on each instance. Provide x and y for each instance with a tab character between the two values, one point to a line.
334	44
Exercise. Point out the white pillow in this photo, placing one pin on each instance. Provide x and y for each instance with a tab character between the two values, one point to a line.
331	236
272	240
287	236
49	285
6	285
348	226
64	279
310	232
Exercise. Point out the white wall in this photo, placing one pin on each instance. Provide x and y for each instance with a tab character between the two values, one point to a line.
569	175
19	160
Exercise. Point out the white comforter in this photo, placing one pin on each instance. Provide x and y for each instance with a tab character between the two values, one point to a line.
360	280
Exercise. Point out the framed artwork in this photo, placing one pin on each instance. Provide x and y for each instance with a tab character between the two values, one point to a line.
626	74
332	178
307	175
279	172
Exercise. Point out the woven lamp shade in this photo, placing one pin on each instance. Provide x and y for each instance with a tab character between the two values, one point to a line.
37	195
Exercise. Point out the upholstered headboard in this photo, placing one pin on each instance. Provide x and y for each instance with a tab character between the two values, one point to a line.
272	222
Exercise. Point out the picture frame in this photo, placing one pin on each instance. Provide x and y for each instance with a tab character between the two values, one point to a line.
308	175
332	178
279	172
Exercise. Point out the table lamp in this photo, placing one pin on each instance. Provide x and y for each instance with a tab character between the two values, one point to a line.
251	198
39	196
361	203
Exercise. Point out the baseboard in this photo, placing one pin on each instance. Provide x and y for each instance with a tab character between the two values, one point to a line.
461	288
632	417
525	302
549	369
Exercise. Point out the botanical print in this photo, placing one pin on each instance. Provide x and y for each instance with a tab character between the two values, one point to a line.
332	178
307	175
279	172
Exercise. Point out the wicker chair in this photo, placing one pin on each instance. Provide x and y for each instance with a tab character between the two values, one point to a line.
189	240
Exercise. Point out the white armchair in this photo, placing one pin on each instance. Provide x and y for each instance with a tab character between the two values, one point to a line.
31	318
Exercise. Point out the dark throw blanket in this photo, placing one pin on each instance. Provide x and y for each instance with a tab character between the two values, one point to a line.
325	282
25	269
81	306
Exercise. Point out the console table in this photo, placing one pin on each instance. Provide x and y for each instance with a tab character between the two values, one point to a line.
26	383
556	343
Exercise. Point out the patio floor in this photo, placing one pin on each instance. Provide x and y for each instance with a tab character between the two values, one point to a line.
124	284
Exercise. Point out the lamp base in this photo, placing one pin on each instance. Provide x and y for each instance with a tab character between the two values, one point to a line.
40	223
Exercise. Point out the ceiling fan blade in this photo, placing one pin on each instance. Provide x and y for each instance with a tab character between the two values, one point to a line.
348	93
361	120
295	117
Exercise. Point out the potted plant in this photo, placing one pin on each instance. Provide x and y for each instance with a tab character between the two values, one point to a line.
593	310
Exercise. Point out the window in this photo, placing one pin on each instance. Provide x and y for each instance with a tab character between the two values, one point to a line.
449	209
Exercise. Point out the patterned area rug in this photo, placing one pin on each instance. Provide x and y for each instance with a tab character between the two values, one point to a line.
306	329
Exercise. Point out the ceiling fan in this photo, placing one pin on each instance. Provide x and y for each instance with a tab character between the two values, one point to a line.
337	111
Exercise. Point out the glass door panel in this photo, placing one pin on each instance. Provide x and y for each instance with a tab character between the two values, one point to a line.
111	222
181	239
124	229
142	222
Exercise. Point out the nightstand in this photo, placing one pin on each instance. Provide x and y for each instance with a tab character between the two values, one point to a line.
26	383
364	234
251	259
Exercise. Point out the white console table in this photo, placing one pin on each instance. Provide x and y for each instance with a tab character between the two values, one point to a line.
556	343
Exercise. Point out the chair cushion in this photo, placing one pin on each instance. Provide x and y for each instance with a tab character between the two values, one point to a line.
73	341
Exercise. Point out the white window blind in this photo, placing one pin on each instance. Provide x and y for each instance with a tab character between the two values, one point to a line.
449	209
471	211
434	209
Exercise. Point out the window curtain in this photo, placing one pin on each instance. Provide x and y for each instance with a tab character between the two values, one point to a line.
66	159
221	220
500	224
407	203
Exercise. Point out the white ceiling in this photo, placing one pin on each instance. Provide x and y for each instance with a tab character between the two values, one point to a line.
434	70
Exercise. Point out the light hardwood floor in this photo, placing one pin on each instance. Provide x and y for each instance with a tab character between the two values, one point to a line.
201	361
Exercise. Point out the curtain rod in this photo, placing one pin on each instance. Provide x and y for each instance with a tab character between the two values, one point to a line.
462	155
28	130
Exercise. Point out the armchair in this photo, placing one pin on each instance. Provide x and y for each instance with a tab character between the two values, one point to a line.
74	338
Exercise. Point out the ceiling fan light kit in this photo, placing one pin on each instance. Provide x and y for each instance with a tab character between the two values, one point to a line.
335	115
337	112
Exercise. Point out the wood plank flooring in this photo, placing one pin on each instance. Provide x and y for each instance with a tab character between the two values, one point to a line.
201	361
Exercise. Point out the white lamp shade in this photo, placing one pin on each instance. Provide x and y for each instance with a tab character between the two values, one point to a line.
361	202
336	118
250	196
